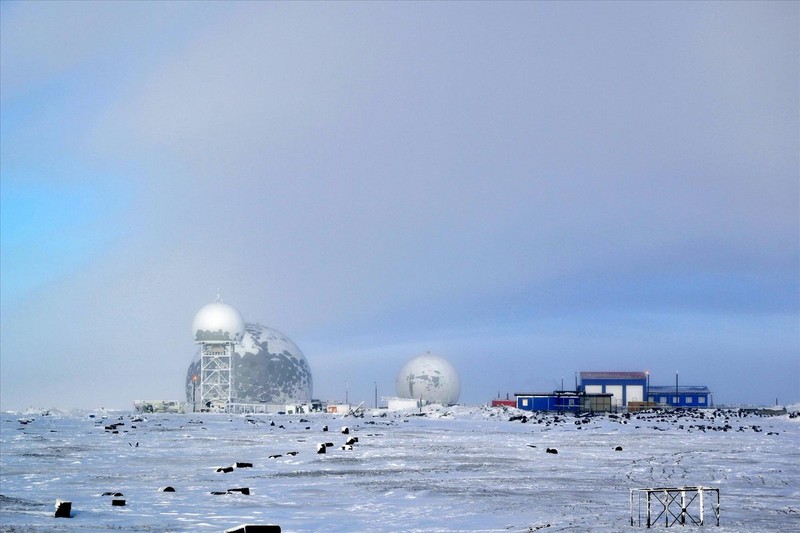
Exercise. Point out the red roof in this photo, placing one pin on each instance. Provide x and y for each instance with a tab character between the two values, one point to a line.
613	375
509	403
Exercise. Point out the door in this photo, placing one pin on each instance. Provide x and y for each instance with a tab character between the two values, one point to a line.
634	393
616	391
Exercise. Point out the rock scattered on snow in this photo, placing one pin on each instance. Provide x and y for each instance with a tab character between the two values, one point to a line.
63	509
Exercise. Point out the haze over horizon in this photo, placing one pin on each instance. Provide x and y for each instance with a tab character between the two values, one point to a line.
526	189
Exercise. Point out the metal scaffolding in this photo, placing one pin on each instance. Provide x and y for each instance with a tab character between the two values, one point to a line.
675	504
215	375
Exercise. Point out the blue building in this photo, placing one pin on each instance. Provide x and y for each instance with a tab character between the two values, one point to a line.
684	396
624	387
564	401
614	391
548	401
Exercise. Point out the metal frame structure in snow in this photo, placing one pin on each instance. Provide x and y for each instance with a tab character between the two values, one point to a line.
675	505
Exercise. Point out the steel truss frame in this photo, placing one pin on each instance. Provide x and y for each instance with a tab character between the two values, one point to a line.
674	504
216	380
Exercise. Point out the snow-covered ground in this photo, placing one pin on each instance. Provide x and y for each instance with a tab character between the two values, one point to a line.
454	469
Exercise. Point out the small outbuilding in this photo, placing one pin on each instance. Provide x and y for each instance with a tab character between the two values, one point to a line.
564	401
596	403
548	401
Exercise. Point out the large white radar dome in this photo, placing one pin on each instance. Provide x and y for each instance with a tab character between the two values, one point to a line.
430	378
218	322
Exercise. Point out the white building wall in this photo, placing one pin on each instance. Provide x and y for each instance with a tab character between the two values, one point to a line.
616	391
402	404
634	393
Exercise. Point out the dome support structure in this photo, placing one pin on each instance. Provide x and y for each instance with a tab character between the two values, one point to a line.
216	378
217	328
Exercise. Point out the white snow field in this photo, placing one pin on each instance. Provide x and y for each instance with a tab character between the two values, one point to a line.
451	469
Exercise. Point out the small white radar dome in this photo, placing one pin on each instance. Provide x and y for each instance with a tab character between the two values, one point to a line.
218	322
430	378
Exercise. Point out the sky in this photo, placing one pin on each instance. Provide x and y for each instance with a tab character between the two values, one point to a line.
529	190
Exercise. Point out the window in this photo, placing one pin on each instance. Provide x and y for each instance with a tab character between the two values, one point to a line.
701	399
689	399
674	400
524	402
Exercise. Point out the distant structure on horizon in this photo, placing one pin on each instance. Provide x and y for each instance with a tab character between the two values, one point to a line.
612	391
245	367
633	389
430	379
624	387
